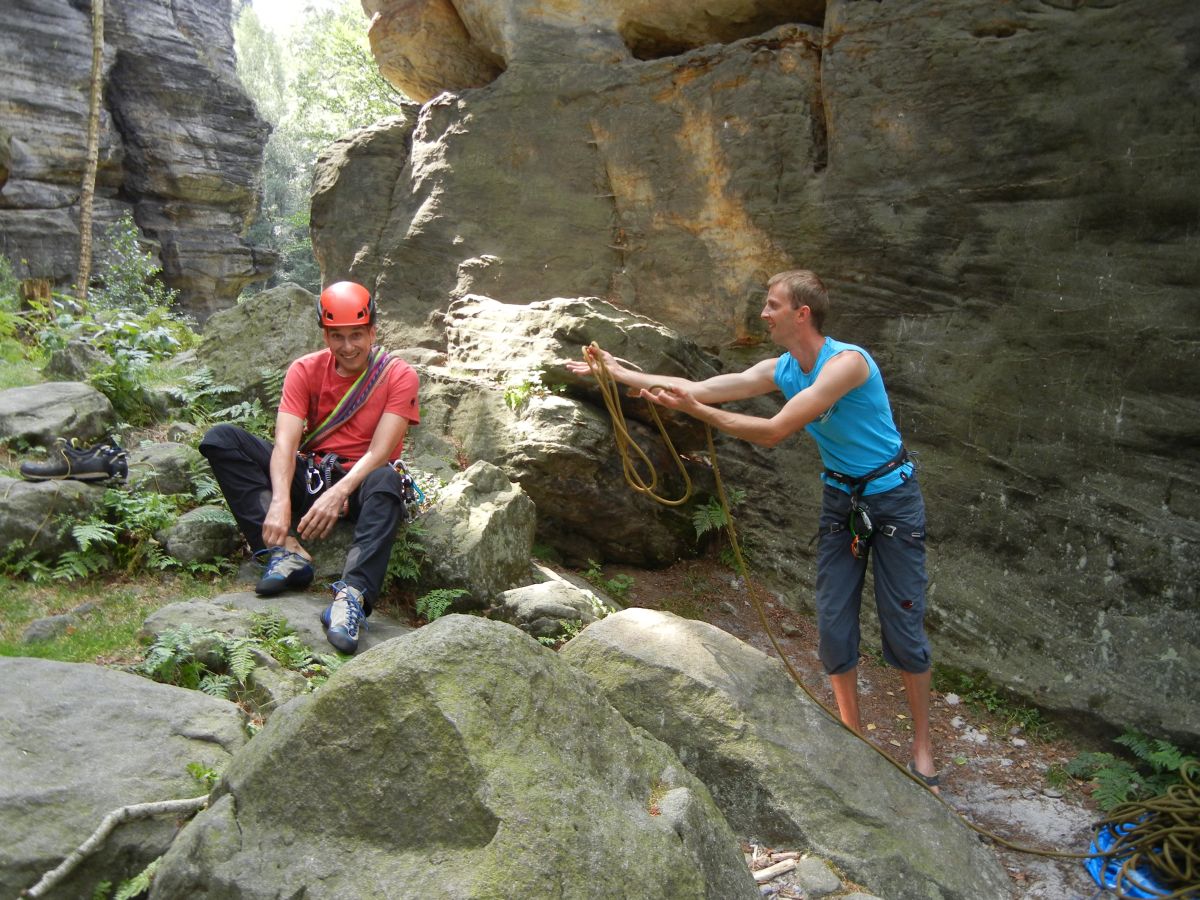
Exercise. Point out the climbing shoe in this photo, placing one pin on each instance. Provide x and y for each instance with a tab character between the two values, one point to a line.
284	571
344	617
101	462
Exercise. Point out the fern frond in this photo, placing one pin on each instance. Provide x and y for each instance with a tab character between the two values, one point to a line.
215	685
239	654
92	532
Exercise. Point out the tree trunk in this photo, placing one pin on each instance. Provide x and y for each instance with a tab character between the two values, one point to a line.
87	190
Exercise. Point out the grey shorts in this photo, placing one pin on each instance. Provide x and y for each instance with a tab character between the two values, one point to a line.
897	552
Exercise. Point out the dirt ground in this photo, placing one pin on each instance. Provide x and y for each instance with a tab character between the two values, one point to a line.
992	774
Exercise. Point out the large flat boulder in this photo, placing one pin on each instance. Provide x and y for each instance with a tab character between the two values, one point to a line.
464	760
77	741
779	766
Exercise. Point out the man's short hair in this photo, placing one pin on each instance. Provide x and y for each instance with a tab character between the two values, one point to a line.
804	288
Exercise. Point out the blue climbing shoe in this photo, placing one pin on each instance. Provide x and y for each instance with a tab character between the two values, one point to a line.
344	617
284	571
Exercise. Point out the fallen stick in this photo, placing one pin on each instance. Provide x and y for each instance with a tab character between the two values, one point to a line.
110	822
764	875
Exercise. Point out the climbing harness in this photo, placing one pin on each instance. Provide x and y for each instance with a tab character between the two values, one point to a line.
320	470
1161	835
859	523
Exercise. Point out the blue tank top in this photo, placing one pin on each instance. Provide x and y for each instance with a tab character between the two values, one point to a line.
857	434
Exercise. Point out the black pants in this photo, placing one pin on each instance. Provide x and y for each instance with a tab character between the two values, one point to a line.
241	463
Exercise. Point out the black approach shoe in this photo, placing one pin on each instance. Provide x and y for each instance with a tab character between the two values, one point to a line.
99	463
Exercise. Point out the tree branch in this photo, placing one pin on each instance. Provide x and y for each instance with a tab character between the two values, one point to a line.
110	822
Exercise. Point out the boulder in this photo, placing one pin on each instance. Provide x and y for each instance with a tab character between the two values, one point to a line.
203	534
232	614
40	413
165	468
766	750
78	741
75	362
180	143
545	609
36	516
246	346
478	536
481	765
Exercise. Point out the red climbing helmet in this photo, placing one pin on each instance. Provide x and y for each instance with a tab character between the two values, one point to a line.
345	304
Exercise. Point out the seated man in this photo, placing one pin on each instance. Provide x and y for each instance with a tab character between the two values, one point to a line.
344	409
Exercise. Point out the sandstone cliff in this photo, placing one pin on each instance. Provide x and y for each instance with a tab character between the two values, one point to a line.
1002	199
180	143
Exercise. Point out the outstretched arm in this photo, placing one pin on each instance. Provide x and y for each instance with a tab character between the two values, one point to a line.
758	379
840	375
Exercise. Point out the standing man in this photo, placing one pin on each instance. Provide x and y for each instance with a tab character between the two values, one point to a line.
342	420
871	499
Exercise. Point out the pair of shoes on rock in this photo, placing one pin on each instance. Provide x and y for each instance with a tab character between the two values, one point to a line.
99	462
344	617
284	571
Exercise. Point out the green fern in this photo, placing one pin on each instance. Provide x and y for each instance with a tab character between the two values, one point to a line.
138	884
239	656
1118	781
434	604
406	558
711	515
94	532
217	685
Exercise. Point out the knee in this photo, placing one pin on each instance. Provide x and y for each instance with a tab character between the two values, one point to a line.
219	437
385	482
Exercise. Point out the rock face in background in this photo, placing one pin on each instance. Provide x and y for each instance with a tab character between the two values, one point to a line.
1002	202
180	143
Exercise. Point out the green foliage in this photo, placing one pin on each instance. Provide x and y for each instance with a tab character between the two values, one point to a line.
404	564
207	403
518	390
434	604
979	692
312	87
220	665
570	628
618	586
11	319
711	515
203	774
1157	764
137	885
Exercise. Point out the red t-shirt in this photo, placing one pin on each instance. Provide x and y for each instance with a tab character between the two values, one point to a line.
312	388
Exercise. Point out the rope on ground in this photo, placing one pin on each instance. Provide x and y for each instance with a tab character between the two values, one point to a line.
1166	833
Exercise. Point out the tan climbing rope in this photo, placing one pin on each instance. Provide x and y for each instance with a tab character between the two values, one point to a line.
1165	835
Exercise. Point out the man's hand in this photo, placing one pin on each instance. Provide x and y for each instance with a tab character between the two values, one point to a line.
318	522
672	397
597	357
277	521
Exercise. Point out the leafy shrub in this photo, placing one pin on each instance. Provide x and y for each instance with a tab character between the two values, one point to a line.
218	664
1158	764
711	515
434	604
617	586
